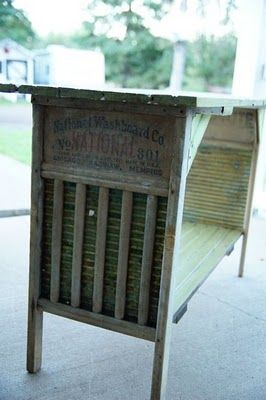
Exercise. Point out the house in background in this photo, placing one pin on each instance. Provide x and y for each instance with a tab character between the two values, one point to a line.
58	65
16	64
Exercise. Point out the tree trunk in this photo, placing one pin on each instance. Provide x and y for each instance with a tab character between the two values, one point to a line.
178	66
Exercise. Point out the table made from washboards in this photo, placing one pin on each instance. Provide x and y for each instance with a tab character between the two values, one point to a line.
136	198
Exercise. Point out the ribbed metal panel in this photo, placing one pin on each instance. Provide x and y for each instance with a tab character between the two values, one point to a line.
87	271
47	238
111	250
135	256
217	186
67	242
157	260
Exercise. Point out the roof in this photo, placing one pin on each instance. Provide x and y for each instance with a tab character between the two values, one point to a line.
9	42
136	96
58	49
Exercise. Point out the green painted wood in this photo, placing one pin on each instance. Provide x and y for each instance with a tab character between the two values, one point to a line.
8	88
223	105
190	233
197	262
204	240
39	90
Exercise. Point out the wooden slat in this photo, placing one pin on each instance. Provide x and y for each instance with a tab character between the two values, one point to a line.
35	316
117	106
147	257
170	257
97	300
249	202
204	265
126	213
228	145
199	247
238	127
56	239
190	232
151	185
80	205
199	126
99	320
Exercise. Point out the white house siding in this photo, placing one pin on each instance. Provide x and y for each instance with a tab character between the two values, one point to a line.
16	65
62	66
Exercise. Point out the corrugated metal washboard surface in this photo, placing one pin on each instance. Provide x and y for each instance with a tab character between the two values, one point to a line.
111	249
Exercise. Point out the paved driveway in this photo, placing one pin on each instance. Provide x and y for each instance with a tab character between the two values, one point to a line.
16	115
14	176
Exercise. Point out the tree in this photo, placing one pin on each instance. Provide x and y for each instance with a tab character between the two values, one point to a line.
189	14
15	25
210	63
139	61
134	57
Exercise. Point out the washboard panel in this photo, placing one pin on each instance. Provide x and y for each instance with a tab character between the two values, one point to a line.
105	177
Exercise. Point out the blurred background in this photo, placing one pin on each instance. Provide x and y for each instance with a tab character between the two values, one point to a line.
210	46
157	44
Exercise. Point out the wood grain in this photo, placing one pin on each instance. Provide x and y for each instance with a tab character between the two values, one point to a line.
147	258
154	186
99	320
35	316
113	142
170	257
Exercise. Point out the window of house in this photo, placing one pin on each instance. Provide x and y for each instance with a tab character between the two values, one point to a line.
17	71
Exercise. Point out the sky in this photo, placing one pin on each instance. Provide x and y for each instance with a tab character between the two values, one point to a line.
60	16
66	16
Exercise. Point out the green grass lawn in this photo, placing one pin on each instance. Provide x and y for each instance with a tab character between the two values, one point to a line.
16	144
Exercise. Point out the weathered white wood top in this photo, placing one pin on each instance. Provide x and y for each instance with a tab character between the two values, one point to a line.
155	97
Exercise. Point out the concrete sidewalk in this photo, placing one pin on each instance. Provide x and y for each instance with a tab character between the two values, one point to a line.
16	116
15	187
218	349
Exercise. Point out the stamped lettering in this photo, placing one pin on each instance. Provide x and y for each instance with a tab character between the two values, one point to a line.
125	143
